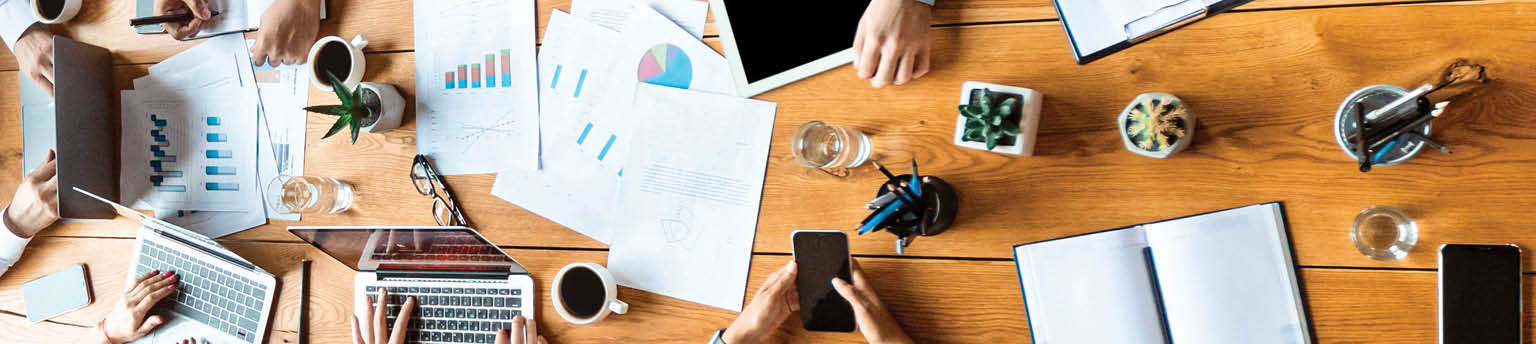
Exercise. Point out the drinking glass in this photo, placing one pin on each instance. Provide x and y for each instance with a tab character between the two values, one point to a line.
309	195
1384	233
821	145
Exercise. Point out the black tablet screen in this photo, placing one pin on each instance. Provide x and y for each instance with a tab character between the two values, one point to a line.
775	36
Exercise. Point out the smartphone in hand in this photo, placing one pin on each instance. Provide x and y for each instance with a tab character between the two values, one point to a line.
821	255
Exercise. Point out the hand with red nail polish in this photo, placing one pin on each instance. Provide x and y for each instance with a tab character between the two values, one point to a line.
129	319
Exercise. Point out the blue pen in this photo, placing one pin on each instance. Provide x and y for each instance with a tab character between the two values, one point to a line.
1383	152
880	217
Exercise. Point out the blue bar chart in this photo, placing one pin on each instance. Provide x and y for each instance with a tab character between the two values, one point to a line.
218	153
166	177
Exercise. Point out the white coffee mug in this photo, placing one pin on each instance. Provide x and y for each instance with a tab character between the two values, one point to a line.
71	7
611	303
359	63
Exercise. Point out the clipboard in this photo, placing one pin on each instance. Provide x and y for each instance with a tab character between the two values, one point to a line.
1097	28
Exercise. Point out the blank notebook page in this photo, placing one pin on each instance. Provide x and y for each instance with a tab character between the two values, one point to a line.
1090	289
1227	277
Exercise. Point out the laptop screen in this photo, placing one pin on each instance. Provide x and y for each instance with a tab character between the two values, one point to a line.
409	248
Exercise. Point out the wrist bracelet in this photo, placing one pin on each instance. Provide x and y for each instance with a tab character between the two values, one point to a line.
103	326
719	337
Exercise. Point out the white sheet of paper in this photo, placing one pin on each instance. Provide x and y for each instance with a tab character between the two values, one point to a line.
213	224
1090	289
652	50
691	15
280	142
690	198
489	121
209	140
573	185
1246	250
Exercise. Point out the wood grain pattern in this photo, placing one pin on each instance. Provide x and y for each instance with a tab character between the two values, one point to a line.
936	300
388	23
1263	137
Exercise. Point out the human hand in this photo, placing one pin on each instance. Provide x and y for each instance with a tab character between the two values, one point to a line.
34	54
288	28
527	329
127	321
891	44
181	31
192	341
869	313
35	205
371	331
775	300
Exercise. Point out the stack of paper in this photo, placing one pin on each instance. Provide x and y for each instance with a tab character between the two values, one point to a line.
645	146
197	147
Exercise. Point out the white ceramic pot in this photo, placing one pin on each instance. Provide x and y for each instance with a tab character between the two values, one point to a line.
1189	134
1029	118
391	106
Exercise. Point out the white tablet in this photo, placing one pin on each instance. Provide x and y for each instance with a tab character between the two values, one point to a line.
774	43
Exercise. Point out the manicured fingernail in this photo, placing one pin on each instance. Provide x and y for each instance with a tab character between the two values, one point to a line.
166	274
154	272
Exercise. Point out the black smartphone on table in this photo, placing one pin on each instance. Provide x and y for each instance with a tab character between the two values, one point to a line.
1479	294
821	255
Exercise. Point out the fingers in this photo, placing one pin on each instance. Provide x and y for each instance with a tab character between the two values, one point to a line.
848	293
380	312
858	46
149	325
519	330
357	334
143	277
143	288
502	337
43	75
367	321
199	9
47	170
259	52
887	72
397	335
922	62
905	68
867	59
531	334
154	297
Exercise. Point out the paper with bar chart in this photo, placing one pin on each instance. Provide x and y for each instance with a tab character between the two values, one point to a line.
577	179
192	153
477	102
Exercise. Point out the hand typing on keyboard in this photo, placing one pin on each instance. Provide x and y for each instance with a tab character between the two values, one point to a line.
128	321
370	327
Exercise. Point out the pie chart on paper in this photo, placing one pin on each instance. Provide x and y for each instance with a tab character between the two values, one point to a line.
666	65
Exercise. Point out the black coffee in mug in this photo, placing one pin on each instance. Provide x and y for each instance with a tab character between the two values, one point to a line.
334	57
582	292
50	9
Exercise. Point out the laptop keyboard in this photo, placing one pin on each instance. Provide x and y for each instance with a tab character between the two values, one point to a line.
454	315
206	293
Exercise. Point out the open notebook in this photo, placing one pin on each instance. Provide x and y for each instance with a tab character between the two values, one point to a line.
1222	277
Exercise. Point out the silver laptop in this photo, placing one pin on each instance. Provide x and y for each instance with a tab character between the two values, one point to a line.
466	288
221	297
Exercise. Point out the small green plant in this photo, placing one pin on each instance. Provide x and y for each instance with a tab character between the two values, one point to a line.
351	113
1157	123
985	122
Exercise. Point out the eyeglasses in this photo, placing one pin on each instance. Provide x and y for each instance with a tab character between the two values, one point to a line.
445	210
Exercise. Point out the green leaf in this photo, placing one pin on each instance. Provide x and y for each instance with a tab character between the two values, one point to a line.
355	128
974	124
340	123
996	120
991	142
1011	129
972	134
340	89
333	110
1006	109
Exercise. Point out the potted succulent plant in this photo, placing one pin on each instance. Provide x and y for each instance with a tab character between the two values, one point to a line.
997	118
370	106
1156	125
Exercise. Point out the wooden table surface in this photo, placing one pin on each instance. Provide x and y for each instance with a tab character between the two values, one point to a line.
1264	80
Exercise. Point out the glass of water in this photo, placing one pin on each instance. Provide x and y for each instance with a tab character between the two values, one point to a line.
1384	233
309	195
821	145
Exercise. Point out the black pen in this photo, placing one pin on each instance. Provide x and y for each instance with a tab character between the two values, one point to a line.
892	179
1436	145
169	18
300	337
1360	148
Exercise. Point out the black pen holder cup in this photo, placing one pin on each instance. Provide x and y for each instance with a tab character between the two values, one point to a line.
940	206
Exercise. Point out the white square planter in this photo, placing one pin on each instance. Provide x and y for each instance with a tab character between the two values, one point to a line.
1029	118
